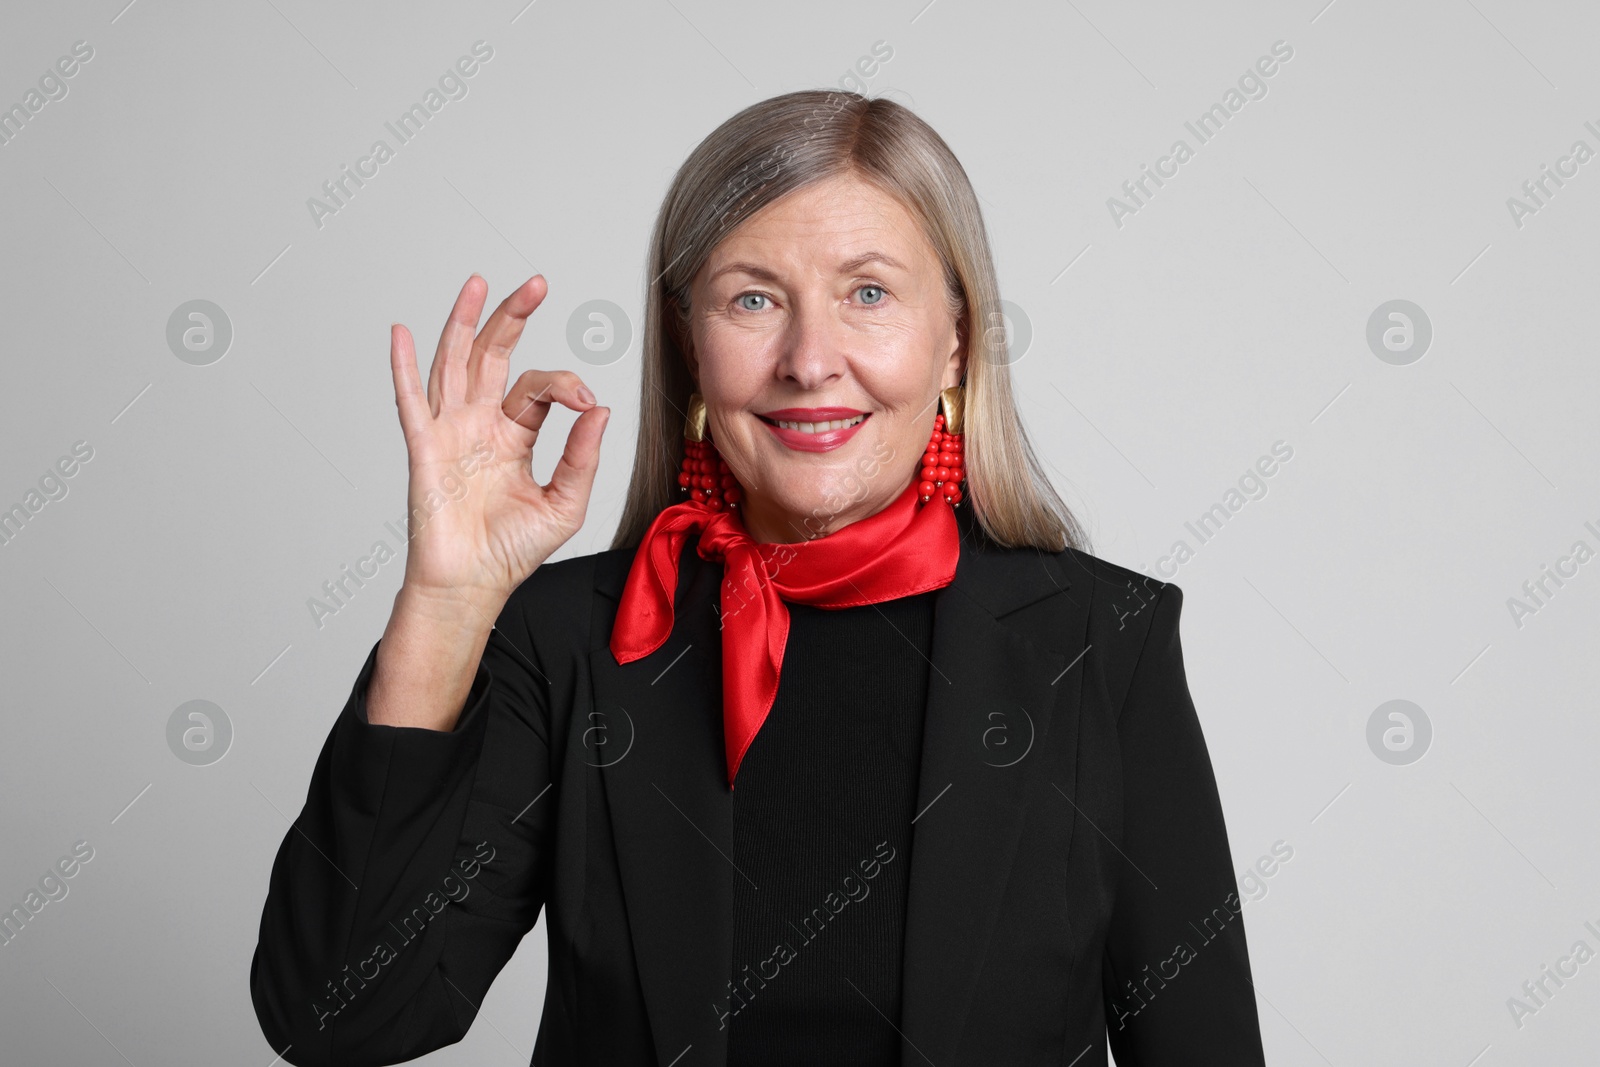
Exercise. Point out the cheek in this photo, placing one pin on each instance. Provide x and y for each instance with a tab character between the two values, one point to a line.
899	371
733	370
733	361
908	350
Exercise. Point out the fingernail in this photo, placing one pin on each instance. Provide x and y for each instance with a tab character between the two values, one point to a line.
585	395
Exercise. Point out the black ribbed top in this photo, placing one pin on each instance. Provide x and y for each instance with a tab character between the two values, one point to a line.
822	810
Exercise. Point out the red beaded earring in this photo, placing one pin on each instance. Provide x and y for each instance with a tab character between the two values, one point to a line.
704	475
942	464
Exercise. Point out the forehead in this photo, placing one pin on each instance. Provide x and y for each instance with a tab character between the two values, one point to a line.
824	225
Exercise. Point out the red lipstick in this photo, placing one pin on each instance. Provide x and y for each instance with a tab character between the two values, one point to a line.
801	441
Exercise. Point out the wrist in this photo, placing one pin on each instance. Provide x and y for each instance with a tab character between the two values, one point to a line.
427	658
456	608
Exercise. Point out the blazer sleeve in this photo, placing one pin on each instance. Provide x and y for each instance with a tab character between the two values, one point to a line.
1176	980
417	864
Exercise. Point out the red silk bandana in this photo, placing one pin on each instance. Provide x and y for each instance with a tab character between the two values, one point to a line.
906	548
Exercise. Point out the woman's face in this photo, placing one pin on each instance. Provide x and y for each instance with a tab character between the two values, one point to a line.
828	306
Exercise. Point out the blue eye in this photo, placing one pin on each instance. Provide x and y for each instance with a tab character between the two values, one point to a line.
751	296
878	290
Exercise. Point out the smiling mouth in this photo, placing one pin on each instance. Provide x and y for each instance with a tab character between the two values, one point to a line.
813	427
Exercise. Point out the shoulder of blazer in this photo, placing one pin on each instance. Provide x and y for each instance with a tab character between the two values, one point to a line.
1124	608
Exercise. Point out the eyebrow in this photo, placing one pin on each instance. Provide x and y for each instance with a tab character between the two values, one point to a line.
755	270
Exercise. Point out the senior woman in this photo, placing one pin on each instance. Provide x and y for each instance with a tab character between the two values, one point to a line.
846	751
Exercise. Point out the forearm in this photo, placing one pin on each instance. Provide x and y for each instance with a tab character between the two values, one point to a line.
428	657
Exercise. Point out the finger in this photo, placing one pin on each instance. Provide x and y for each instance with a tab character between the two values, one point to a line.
530	398
490	363
408	396
573	479
447	379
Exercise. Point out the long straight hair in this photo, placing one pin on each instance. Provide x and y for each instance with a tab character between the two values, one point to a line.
773	148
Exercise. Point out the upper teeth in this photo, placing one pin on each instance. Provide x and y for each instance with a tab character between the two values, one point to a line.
819	427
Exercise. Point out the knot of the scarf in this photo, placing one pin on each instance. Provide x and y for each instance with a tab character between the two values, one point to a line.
904	549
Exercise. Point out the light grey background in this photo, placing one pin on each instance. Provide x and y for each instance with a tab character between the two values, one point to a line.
1167	355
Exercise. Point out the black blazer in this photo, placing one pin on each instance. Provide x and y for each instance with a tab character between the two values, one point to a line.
1070	874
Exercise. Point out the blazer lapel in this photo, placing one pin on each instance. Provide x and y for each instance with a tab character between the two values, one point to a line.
671	816
991	695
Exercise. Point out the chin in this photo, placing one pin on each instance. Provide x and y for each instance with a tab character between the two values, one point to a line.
823	500
808	495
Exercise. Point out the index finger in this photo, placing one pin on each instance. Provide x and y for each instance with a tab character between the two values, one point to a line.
490	363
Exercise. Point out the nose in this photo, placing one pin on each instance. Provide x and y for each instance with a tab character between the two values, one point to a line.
813	345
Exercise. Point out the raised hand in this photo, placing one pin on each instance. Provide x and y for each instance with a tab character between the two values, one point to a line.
479	522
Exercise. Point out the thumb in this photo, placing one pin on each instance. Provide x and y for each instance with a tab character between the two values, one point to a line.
573	479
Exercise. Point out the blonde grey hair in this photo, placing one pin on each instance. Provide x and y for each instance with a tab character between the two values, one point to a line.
773	148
